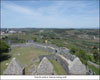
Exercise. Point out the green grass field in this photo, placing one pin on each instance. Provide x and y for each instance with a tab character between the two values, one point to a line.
25	56
58	69
94	69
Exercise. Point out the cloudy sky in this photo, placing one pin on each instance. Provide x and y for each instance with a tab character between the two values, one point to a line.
50	14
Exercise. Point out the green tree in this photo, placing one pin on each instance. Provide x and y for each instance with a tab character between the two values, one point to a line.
96	54
73	50
35	39
3	46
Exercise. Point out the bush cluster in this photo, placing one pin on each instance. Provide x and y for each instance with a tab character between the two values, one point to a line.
84	57
3	46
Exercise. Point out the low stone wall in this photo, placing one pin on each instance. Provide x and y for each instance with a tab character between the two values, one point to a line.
91	63
66	53
48	47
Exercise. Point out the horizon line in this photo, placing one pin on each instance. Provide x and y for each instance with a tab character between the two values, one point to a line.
50	28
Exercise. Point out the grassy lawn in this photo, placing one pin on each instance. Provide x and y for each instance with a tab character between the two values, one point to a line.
58	69
94	69
24	55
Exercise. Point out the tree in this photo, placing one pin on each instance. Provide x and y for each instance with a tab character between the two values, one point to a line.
3	48
73	50
81	54
35	39
95	54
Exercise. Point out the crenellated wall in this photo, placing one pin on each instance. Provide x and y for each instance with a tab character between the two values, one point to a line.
70	63
63	63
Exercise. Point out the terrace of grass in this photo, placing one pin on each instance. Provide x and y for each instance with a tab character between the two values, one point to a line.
58	69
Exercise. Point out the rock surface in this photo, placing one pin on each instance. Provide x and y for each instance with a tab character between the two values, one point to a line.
45	67
14	68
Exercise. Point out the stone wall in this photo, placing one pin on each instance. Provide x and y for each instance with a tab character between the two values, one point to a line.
61	55
48	47
63	63
14	68
45	67
91	63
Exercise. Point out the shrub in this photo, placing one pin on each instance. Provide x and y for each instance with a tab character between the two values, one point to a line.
73	50
84	57
3	46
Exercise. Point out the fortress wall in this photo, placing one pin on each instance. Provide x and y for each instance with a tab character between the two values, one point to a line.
74	67
48	47
36	45
63	63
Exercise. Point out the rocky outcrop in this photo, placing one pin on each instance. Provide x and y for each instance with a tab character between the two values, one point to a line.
45	67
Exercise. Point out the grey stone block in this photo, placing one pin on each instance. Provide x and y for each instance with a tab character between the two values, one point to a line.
14	68
45	67
76	67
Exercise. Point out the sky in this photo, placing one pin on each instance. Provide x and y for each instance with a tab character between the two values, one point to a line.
50	14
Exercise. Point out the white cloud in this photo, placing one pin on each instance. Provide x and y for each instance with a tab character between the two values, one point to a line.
19	9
